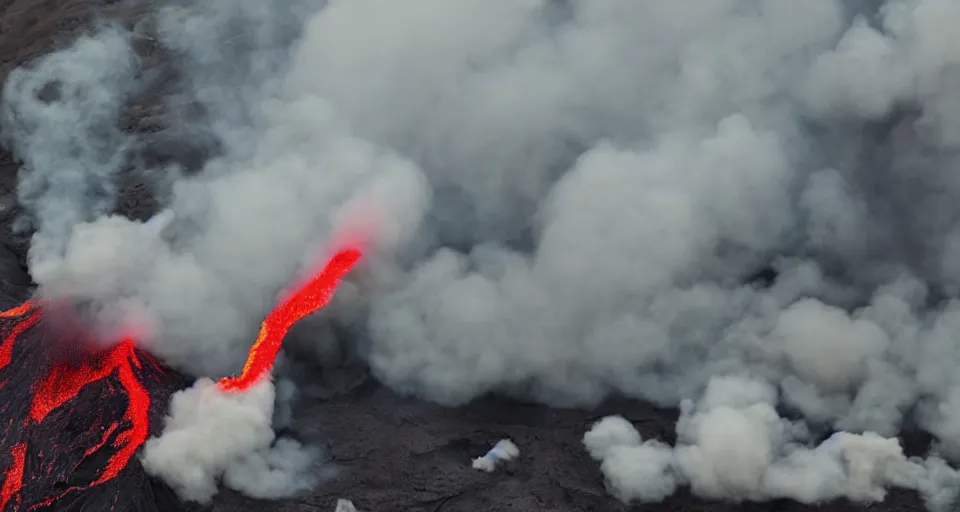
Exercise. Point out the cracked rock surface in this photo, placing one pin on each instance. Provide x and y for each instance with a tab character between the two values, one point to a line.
392	453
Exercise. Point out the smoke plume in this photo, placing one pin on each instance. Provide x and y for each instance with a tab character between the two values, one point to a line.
742	208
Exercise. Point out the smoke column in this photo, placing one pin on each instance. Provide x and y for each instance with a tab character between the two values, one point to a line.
746	209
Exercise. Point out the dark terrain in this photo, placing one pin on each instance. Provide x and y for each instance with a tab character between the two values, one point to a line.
393	453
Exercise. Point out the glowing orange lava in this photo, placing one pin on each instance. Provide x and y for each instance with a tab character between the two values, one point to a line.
121	362
6	346
13	476
63	382
309	297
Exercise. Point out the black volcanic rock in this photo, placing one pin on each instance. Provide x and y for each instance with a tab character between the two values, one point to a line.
56	460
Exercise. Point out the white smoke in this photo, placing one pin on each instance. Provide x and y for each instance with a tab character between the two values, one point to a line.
210	435
302	176
572	199
732	445
206	432
59	119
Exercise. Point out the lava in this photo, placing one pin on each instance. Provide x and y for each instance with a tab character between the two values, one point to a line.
61	384
62	437
64	382
6	346
13	476
314	294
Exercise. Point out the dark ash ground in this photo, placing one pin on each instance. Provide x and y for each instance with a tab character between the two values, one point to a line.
395	454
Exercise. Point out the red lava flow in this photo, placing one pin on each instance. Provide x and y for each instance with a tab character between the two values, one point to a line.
64	381
6	346
13	476
309	297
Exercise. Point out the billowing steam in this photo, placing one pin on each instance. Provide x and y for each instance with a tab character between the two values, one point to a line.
732	445
211	435
744	208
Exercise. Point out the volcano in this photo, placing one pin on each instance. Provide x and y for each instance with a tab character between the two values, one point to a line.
65	455
74	424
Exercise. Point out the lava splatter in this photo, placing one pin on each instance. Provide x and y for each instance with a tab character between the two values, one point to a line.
309	297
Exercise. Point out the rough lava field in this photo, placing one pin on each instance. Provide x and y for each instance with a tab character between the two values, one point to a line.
687	256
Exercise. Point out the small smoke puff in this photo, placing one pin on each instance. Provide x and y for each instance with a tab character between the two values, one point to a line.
205	432
640	472
609	433
504	450
345	506
484	464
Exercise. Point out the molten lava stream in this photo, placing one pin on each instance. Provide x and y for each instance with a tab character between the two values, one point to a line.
62	383
65	381
309	297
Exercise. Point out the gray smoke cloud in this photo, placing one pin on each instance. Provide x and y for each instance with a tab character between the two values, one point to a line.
59	119
573	199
